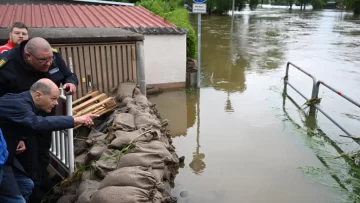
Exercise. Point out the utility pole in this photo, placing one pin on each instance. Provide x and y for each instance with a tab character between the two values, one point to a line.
232	18
199	7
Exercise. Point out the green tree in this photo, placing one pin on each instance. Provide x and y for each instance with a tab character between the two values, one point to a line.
253	4
317	4
357	7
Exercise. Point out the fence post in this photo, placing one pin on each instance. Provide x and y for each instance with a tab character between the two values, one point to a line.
140	66
70	135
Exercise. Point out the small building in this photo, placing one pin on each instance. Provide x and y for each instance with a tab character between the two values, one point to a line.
105	36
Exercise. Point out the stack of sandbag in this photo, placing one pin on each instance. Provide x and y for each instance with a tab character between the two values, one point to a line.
133	161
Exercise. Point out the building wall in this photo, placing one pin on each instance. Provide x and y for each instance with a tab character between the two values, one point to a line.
165	60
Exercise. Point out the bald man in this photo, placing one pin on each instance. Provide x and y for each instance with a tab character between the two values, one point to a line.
19	115
21	67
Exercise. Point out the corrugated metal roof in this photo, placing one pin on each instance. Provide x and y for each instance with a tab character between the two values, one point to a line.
135	18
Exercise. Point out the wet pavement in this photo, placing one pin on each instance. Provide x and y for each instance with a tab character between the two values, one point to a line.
244	141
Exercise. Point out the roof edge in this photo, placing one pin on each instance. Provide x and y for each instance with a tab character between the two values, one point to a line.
158	30
79	35
105	2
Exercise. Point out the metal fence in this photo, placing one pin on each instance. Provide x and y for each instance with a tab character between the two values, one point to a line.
314	100
62	142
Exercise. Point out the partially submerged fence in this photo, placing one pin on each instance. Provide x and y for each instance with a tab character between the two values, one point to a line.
314	100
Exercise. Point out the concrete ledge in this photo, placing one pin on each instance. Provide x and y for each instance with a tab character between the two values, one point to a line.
172	85
78	35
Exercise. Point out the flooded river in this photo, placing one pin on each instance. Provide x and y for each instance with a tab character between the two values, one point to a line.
246	142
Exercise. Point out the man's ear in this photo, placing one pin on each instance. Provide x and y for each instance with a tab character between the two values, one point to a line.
38	94
9	35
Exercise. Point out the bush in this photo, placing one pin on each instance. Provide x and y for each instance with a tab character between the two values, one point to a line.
253	4
317	4
180	17
172	12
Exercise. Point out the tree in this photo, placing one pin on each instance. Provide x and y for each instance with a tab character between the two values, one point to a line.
357	7
253	4
317	4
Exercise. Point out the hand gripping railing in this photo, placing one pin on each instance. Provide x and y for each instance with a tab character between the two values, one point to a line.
62	144
315	94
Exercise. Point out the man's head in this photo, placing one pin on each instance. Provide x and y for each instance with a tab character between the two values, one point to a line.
38	54
18	33
45	94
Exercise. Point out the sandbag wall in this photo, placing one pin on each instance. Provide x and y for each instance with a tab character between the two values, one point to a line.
126	158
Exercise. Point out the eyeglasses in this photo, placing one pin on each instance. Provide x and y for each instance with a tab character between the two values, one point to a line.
43	61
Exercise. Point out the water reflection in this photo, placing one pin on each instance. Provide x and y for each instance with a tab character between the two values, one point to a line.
223	69
197	164
347	177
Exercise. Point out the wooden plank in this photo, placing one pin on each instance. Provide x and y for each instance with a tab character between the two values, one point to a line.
129	61
99	69
90	102
133	48
114	66
105	102
120	66
76	70
87	66
103	67
82	70
125	69
86	97
95	82
109	69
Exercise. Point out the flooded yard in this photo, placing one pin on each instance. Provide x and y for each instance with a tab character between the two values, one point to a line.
242	138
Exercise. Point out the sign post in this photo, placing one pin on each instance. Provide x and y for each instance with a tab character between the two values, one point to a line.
199	7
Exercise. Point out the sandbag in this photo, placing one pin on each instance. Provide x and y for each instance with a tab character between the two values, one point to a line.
156	161
132	176
143	118
160	174
141	100
67	199
89	175
105	164
123	138
86	190
154	146
124	121
125	101
125	89
95	138
95	153
80	146
115	194
80	160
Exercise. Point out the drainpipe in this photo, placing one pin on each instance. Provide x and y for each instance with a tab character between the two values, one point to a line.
140	66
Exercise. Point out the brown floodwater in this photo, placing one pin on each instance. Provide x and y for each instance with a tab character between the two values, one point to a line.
243	140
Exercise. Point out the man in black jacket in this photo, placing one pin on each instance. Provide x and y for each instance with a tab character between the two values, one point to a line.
19	116
21	67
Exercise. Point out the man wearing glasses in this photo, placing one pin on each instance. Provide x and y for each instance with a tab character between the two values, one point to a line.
20	68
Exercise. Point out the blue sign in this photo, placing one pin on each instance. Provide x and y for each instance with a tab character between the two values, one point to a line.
199	1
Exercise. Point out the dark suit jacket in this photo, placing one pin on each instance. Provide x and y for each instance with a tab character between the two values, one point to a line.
19	117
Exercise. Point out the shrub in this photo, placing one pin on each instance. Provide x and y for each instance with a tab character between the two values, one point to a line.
317	4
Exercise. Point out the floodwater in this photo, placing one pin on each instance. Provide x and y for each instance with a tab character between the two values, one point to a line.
243	141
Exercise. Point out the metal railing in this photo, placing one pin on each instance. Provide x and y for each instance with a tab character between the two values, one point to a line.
62	142
315	95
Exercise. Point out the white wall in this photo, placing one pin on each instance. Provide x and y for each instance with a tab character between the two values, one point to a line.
165	58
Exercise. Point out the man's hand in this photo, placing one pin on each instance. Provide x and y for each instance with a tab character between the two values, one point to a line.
21	147
85	119
69	88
